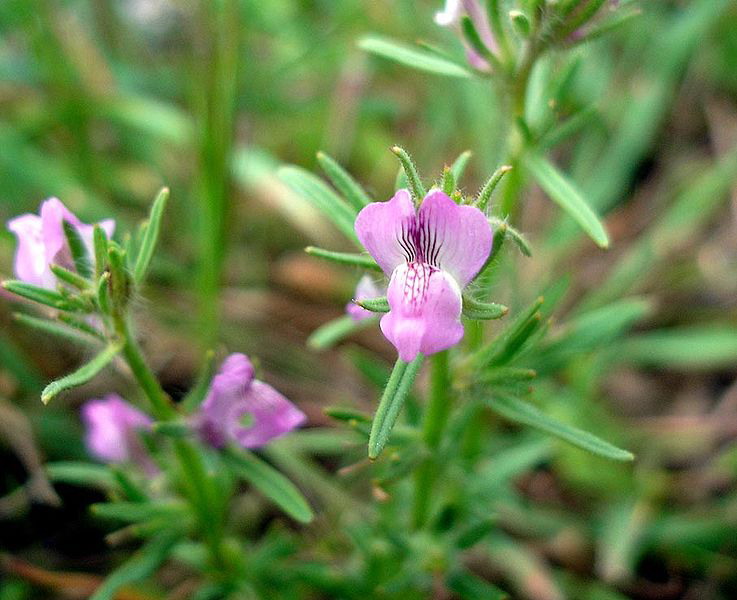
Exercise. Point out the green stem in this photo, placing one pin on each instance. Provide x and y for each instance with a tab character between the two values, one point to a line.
436	416
197	483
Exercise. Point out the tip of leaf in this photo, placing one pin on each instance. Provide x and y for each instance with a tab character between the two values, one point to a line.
506	168
46	397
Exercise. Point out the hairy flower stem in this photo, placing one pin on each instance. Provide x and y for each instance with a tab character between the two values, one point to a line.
197	483
436	416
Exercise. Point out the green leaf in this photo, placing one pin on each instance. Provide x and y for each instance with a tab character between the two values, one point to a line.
78	249
81	473
334	331
271	483
322	198
396	390
135	512
473	38
346	258
150	236
566	195
448	182
702	347
81	375
70	277
473	309
413	57
472	587
380	305
502	349
42	296
46	326
416	187
518	411
505	229
138	567
344	182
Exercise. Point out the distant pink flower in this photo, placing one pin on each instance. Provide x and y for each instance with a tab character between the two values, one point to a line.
365	290
430	254
451	16
113	429
41	242
244	410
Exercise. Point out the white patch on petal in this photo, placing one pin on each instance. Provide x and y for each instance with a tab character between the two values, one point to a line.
450	15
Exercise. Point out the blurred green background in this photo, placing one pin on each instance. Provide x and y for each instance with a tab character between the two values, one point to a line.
103	102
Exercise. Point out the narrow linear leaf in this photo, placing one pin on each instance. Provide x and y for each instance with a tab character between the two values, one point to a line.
81	326
135	512
322	198
150	236
399	384
482	200
505	229
46	326
81	375
518	411
78	249
472	587
344	182
380	305
138	567
503	348
70	277
99	242
81	473
448	182
271	483
562	190
473	38
413	57
346	258
42	296
334	331
474	309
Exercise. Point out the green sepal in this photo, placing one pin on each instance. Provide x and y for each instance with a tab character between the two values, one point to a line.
344	182
345	258
81	375
150	236
520	23
396	390
67	276
380	304
448	182
502	349
80	255
514	235
270	482
482	311
484	195
175	429
81	473
416	188
458	168
474	40
135	512
99	242
119	278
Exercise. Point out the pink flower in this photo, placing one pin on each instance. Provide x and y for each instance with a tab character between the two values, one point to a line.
234	397
430	254
41	242
365	290
112	431
451	16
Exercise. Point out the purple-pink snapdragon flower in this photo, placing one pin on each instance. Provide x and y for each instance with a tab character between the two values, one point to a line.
113	428
451	16
365	290
42	242
235	396
430	255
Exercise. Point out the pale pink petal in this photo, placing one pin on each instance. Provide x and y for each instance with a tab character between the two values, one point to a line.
454	238
450	15
425	311
273	416
379	228
30	259
365	290
53	214
112	427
